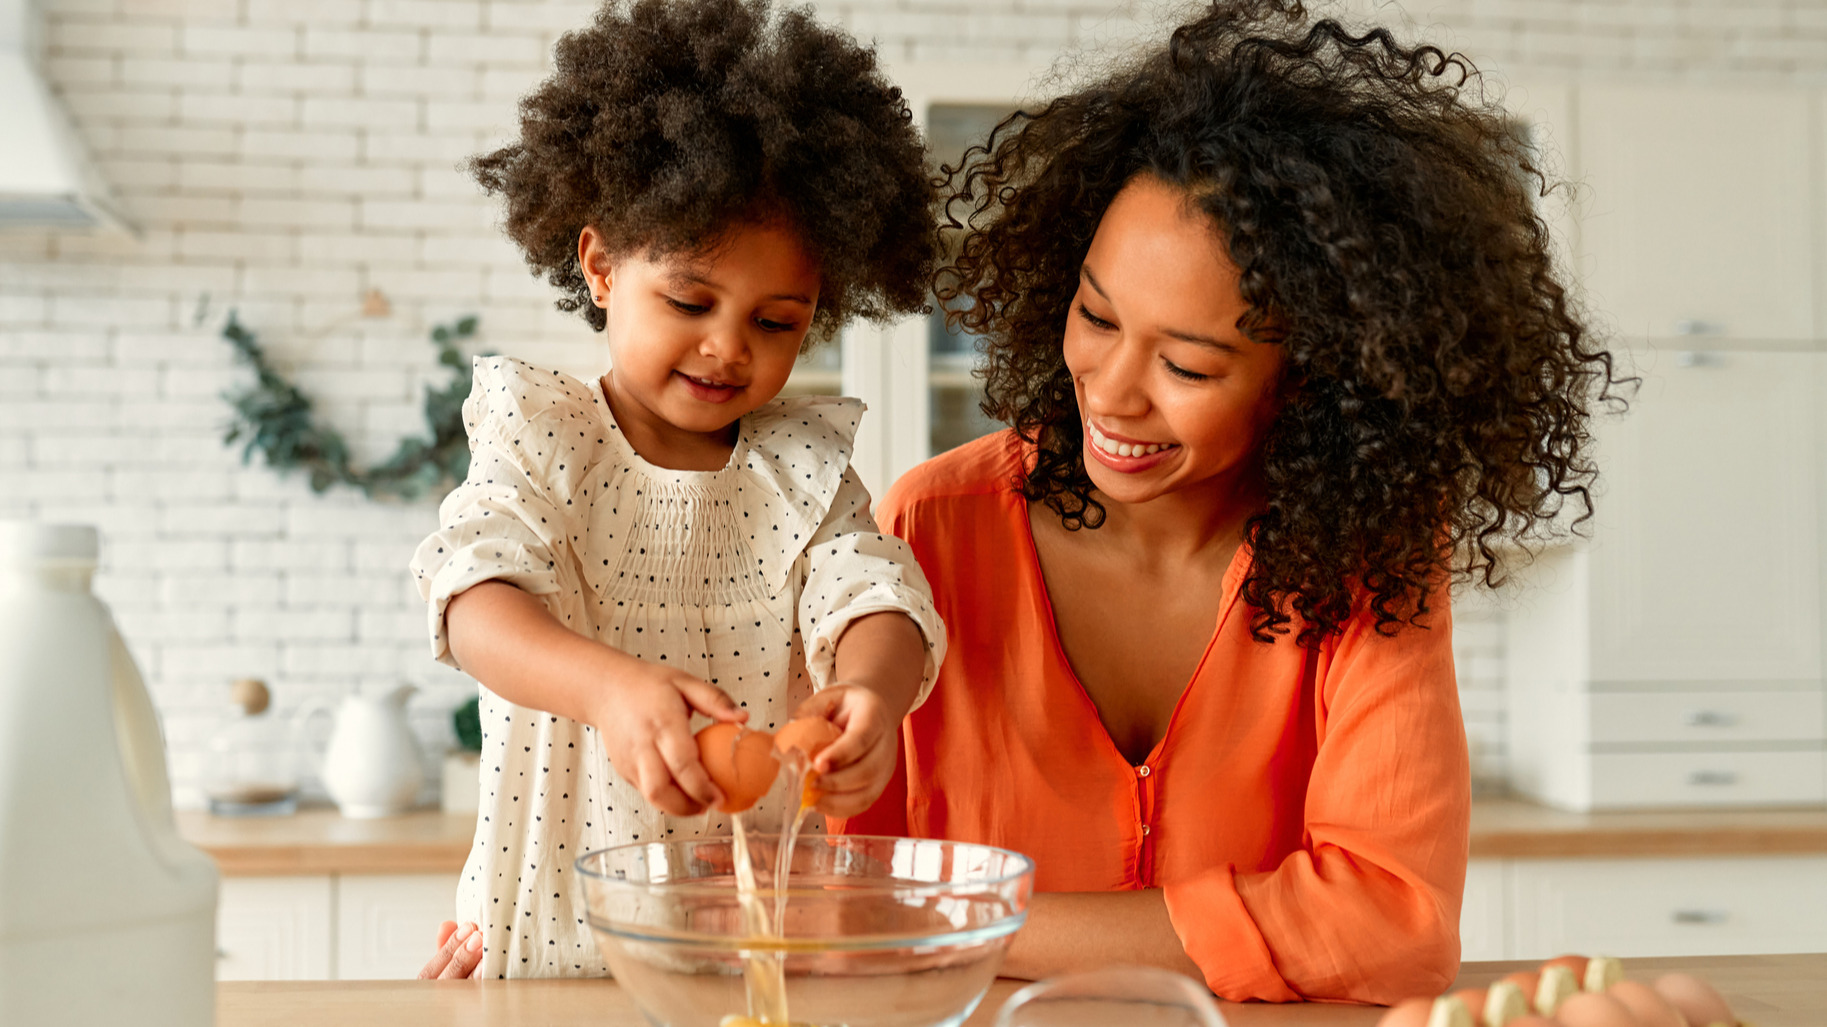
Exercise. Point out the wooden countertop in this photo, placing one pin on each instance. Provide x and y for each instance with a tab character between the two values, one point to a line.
323	841
319	841
1768	991
1508	828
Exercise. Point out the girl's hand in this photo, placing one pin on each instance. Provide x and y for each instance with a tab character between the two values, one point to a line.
459	953
645	721
853	770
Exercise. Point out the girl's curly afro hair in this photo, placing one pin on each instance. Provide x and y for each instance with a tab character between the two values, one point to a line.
1438	381
668	121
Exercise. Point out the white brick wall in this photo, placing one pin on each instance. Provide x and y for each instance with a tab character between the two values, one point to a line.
281	158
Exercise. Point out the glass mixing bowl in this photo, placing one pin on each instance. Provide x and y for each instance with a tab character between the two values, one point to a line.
876	932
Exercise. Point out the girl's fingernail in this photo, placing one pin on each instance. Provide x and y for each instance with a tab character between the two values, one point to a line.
474	942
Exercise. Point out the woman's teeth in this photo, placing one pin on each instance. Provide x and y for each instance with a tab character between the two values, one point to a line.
1115	448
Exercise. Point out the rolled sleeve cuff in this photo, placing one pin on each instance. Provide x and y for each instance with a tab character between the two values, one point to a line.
882	597
1218	933
525	567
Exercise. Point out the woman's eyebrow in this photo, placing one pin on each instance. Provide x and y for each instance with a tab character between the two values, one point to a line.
1193	337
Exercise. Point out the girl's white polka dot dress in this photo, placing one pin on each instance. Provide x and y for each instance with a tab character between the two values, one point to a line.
743	576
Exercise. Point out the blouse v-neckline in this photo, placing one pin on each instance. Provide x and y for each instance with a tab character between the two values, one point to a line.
1233	575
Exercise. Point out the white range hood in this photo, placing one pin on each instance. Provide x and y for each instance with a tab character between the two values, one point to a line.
47	179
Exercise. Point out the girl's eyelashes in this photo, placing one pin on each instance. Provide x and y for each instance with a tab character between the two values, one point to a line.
694	309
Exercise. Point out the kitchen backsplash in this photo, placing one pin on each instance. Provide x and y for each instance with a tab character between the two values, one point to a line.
282	158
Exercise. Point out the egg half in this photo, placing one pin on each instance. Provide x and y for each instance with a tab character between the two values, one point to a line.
739	761
808	736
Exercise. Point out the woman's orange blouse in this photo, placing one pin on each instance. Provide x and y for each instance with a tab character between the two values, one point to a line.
1306	812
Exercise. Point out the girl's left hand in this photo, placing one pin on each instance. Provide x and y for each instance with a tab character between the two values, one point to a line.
853	770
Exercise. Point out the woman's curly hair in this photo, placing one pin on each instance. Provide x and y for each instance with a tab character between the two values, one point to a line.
1438	381
666	122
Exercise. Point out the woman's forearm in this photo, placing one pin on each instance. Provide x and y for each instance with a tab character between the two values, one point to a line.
1068	932
506	639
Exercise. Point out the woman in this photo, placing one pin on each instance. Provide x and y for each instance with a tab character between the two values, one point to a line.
1279	337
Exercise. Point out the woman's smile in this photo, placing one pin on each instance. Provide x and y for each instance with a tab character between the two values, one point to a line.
1121	453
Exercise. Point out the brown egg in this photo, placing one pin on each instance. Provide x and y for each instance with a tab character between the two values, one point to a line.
741	762
1473	1000
1407	1013
1647	1005
1589	1010
1696	1000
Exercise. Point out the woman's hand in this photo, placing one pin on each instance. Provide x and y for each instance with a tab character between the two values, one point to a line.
459	953
644	717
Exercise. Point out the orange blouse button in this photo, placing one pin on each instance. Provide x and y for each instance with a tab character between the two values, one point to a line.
1142	771
1146	830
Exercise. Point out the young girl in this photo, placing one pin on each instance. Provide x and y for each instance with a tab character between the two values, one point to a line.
712	186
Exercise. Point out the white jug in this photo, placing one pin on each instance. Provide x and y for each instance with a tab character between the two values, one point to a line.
106	915
372	766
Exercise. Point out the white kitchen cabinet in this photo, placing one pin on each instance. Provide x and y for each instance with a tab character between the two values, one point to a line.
386	923
326	926
1675	658
1668	907
1705	559
274	928
1697	215
1483	918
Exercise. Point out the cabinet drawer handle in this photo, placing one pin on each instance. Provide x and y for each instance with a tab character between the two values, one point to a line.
1710	718
1699	916
1712	777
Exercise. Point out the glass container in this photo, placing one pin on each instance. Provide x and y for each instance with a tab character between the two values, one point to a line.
252	763
875	932
1133	996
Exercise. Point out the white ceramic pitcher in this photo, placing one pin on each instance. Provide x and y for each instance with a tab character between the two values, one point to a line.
372	766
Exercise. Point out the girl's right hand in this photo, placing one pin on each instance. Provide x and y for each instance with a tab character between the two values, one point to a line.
645	721
459	953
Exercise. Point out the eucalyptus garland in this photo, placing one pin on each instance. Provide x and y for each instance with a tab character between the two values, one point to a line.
277	420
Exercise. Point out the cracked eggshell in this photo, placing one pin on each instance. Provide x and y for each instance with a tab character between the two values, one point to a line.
809	735
739	761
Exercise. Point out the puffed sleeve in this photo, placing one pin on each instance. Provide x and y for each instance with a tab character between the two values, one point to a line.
854	569
1368	908
501	523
